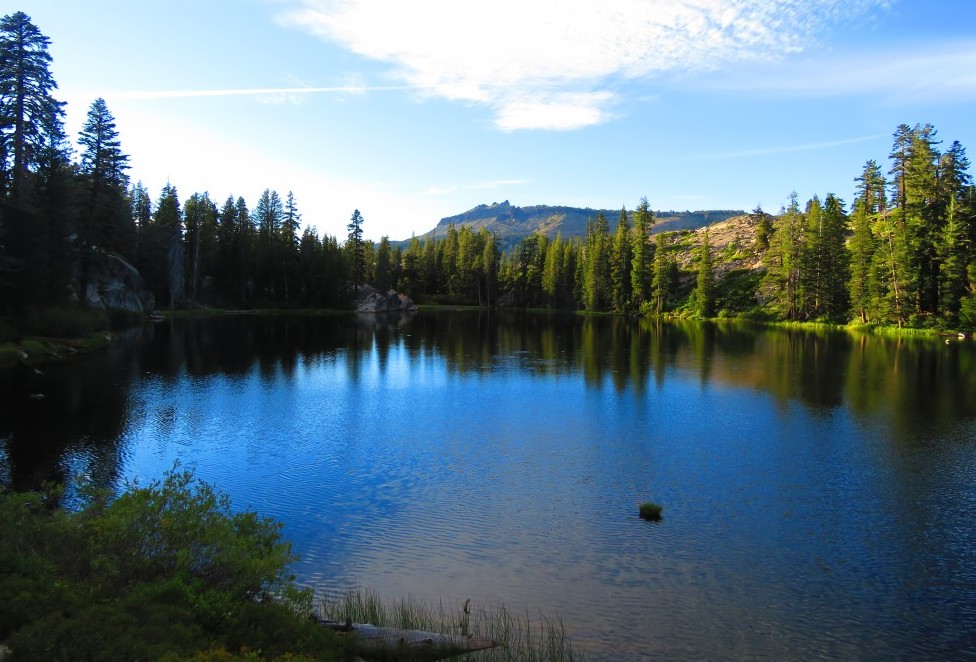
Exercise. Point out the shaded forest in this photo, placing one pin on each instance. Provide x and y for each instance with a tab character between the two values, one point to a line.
901	253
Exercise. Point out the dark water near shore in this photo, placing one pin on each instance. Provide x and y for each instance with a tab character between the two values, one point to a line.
819	490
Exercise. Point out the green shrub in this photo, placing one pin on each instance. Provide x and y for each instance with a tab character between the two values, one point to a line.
967	312
168	569
170	572
650	511
64	322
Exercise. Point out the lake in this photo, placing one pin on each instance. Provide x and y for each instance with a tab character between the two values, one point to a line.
819	489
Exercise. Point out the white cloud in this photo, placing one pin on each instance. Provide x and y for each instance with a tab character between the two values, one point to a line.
549	64
554	111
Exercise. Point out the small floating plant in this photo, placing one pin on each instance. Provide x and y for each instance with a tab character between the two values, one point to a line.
651	511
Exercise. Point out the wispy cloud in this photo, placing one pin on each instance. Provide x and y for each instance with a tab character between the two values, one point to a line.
495	183
924	73
791	149
266	94
550	64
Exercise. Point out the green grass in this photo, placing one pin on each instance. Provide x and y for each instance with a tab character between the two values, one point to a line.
521	638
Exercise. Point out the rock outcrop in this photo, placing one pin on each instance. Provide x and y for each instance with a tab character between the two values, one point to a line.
110	282
371	301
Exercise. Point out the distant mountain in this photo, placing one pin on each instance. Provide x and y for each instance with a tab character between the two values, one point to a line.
511	224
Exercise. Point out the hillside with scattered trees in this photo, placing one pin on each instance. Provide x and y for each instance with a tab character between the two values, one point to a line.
511	224
901	253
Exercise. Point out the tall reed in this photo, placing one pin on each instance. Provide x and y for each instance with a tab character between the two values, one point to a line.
521	638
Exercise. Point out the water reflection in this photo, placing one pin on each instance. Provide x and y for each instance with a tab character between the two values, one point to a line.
913	385
817	486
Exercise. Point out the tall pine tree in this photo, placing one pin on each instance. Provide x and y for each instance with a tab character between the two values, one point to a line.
106	219
640	270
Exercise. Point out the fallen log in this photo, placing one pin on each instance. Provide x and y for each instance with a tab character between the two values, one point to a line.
372	642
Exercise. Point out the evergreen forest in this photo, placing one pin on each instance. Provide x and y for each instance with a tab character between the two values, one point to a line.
900	254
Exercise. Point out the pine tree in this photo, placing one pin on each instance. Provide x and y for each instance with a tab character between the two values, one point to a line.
160	259
228	270
955	253
356	250
862	247
704	296
812	262
784	262
291	223
596	284
825	263
834	261
640	269
384	279
764	227
869	205
287	246
490	257
620	263
268	218
51	226
200	214
925	225
665	270
30	117
36	210
954	249
106	219
915	223
246	241
140	206
552	272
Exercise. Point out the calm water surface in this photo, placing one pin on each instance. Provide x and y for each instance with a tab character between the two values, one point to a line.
819	490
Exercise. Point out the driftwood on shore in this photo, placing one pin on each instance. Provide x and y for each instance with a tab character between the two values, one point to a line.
385	643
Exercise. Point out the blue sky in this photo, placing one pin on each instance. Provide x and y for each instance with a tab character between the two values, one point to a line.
412	110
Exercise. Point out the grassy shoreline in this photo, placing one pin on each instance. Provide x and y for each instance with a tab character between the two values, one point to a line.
40	348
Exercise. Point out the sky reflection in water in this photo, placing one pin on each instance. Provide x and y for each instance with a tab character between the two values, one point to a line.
817	488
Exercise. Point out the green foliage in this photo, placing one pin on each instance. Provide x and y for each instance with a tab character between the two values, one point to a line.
735	293
784	262
642	254
764	228
620	264
967	312
105	220
64	322
355	249
168	569
904	257
704	296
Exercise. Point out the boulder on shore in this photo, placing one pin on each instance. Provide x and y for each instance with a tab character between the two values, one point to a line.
109	282
368	300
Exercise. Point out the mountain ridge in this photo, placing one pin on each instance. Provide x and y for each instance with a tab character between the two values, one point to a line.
512	223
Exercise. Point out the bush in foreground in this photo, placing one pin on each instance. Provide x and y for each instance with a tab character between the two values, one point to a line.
170	572
164	571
